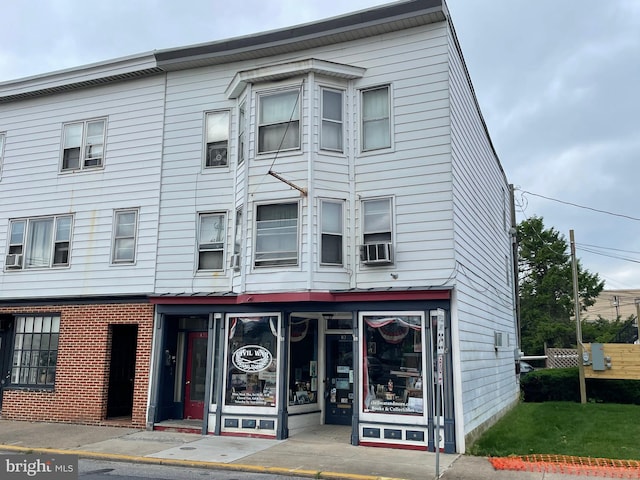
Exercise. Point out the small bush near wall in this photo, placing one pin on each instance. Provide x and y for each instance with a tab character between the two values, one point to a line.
562	384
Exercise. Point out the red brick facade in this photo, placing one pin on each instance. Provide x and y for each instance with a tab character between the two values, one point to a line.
82	374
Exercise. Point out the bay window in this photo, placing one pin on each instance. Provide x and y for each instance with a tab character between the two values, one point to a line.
331	131
279	121
331	235
276	234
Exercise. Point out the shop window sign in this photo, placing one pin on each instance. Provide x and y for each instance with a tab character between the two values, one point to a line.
252	361
392	367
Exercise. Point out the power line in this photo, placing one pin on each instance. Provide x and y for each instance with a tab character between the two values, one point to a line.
582	206
606	248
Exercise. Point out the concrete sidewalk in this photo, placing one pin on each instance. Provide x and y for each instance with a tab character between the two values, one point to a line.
322	452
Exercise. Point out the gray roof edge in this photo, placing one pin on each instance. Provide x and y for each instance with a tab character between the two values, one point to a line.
290	35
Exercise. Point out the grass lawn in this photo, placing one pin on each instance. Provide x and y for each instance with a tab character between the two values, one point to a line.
565	428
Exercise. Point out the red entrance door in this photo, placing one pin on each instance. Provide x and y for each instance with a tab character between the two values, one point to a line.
194	394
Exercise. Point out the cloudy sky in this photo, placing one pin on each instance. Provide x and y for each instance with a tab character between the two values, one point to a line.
558	83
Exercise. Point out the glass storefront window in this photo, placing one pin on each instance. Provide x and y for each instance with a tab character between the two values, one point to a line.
252	361
303	361
392	367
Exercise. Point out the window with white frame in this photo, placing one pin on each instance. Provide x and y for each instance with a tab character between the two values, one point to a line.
237	241
331	235
41	242
276	234
279	121
211	236
217	139
242	119
2	141
331	132
376	126
35	350
125	227
83	144
376	231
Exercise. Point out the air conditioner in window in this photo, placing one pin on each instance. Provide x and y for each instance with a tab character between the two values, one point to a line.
13	260
236	261
376	253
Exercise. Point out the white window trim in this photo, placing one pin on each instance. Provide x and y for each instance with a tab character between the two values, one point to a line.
322	119
390	147
266	93
255	235
114	236
243	129
81	165
205	143
223	251
25	239
342	204
3	141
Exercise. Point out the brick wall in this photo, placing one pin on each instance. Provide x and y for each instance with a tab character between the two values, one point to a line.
82	372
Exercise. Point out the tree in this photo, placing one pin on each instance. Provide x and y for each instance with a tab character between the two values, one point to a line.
546	288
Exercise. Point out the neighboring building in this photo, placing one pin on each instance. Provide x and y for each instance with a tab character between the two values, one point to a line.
613	304
260	234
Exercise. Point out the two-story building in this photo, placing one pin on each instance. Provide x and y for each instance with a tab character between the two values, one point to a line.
251	236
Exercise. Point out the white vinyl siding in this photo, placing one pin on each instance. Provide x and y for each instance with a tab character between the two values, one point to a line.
484	296
133	135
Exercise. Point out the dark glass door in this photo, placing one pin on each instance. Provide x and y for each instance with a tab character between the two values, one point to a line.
122	370
5	368
194	394
339	383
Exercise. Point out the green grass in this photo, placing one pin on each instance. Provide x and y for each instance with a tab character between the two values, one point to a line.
565	428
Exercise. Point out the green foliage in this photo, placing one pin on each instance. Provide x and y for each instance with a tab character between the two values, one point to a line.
546	288
564	428
552	384
562	384
602	330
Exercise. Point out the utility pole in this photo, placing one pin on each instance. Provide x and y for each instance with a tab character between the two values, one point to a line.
576	298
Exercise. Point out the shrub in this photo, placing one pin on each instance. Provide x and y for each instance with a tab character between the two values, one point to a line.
562	384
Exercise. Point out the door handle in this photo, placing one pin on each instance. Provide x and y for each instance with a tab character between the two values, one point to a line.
187	382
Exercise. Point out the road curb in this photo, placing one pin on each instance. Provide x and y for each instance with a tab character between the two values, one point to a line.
196	463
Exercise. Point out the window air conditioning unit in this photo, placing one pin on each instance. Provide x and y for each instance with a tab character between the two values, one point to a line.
376	253
13	260
236	262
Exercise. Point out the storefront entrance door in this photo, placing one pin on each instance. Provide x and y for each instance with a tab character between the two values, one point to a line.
194	394
339	383
5	357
